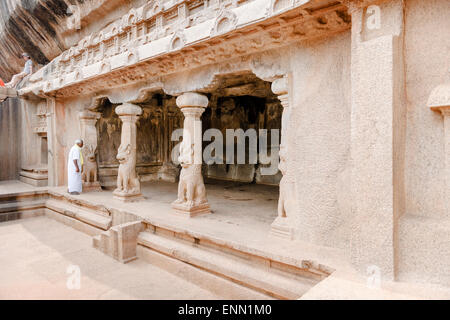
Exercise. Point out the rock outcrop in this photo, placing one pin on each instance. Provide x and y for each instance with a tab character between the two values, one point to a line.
46	28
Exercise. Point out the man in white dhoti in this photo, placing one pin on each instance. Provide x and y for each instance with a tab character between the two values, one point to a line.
74	168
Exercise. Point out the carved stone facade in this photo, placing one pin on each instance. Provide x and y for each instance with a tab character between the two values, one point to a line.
364	159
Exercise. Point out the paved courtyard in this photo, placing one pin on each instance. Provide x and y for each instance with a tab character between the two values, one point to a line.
40	257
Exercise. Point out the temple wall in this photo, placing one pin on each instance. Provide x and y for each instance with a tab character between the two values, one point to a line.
365	151
319	140
31	142
424	241
427	65
9	139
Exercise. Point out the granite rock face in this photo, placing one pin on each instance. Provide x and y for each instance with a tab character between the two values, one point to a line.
45	28
32	26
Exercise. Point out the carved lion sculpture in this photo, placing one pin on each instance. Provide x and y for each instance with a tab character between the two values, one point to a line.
127	180
191	189
89	173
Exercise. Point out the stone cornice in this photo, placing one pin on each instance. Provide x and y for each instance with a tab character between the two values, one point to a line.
221	33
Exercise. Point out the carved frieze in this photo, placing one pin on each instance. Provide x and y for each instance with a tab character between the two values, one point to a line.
150	41
40	122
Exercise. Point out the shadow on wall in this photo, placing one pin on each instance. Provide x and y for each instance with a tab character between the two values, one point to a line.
9	143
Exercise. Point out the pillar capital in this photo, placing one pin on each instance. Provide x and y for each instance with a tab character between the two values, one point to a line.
280	86
192	100
439	99
88	116
281	89
128	109
444	110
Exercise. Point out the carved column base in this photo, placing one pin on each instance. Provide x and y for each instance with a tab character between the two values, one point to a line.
92	186
282	227
127	197
191	211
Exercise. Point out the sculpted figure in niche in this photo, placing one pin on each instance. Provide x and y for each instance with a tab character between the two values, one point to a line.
191	189
90	167
127	180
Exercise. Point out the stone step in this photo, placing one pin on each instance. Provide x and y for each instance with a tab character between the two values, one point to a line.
261	277
26	196
87	216
21	206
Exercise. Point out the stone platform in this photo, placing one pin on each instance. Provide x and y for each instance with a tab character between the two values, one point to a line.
39	254
233	242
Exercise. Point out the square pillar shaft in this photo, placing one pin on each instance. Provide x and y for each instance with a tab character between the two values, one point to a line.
377	137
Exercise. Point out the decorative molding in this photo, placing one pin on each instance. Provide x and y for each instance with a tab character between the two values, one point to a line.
154	54
226	21
440	97
177	42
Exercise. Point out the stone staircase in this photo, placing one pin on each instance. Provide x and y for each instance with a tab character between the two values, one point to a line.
85	217
267	275
22	205
125	237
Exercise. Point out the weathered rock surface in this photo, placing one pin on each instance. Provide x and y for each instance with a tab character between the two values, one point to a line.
43	29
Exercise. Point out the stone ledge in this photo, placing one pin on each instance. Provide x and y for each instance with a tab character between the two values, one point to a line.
241	271
7	93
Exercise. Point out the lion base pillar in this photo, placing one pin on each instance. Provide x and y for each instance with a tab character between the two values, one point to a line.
88	119
91	186
191	200
127	196
191	211
281	227
128	184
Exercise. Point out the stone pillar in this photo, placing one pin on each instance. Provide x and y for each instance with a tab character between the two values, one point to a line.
439	101
56	160
378	126
282	225
128	185
191	199
88	119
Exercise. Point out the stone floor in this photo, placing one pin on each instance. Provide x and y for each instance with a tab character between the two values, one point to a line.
241	218
35	255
